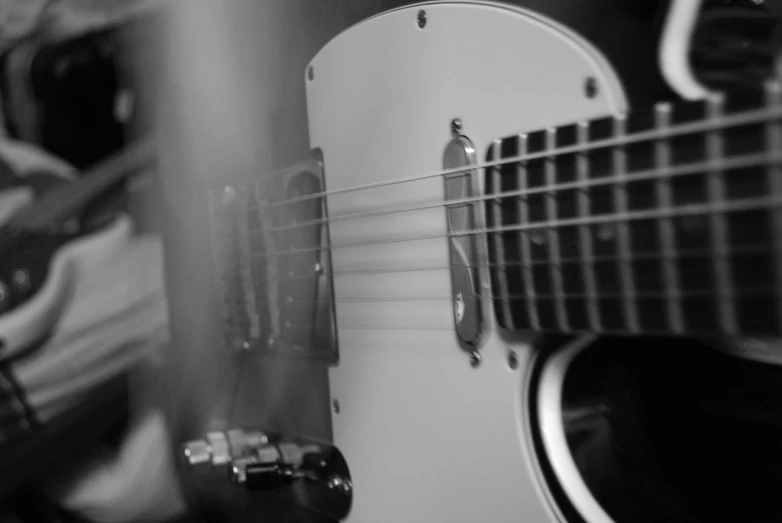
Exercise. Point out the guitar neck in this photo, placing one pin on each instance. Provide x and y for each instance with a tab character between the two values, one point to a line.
668	222
70	199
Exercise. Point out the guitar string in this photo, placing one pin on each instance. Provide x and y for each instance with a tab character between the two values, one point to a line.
733	163
139	154
750	249
746	250
704	209
757	116
750	291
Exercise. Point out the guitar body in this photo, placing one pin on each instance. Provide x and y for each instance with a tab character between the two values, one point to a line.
52	264
427	436
434	392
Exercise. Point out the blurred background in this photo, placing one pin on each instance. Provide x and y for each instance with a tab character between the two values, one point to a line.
134	364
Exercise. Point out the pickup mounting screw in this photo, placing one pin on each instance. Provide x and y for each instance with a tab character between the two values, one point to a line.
335	407
475	359
22	280
456	125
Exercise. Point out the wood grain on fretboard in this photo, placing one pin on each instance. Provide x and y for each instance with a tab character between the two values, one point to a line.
673	227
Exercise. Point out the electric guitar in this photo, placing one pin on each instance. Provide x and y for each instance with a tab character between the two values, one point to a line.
45	246
482	198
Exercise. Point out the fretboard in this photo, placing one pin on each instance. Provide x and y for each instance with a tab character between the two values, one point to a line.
664	222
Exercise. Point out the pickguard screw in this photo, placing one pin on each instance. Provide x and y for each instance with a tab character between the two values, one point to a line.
421	19
271	342
513	360
246	345
590	87
311	73
335	406
22	279
318	269
475	359
456	125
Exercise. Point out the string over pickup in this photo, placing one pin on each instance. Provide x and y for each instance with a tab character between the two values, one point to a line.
463	249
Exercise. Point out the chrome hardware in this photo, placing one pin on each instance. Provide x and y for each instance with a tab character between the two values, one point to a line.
456	126
312	475
197	452
219	447
338	483
261	292
475	359
421	19
463	250
335	407
21	279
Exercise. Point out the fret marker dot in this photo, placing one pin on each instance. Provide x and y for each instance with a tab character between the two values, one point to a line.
538	238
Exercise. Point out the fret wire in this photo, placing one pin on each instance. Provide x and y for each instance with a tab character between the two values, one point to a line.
499	246
717	221
555	268
524	247
623	237
692	168
662	155
659	213
740	119
585	238
773	92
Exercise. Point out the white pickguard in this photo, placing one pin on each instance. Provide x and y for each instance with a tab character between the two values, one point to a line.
427	437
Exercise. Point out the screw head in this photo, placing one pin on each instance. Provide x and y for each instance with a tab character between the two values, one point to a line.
590	87
335	407
310	73
271	341
318	269
513	360
421	18
22	279
456	125
475	359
